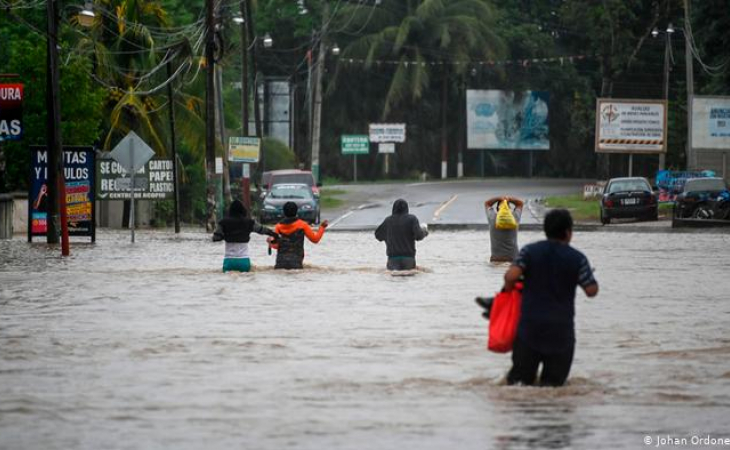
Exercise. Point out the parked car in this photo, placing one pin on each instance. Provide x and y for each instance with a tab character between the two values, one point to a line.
702	198
273	203
289	176
628	197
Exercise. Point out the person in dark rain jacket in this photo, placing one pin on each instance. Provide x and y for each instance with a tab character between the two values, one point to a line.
400	231
236	229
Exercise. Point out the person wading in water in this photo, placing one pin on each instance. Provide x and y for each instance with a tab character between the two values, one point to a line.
290	243
400	231
236	230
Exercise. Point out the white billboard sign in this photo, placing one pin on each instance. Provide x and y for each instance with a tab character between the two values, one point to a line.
386	147
388	132
631	126
711	123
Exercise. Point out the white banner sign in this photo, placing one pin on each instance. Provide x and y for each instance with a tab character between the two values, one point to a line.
388	132
386	147
711	123
631	126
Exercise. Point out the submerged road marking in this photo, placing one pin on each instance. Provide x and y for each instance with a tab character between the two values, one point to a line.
341	218
441	209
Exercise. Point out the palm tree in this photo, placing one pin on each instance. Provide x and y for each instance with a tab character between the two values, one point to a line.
429	39
129	64
131	44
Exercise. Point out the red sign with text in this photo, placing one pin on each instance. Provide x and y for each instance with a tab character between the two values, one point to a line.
11	112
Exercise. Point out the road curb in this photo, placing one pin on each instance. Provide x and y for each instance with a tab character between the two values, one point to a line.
579	227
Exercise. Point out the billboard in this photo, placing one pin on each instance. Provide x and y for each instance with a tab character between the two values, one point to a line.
387	132
154	181
11	112
507	120
711	123
244	149
631	126
78	167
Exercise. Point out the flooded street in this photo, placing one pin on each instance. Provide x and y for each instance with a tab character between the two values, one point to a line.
150	346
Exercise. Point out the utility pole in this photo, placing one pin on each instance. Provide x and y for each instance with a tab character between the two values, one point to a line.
210	219
667	68
444	138
691	156
317	117
221	122
254	69
173	147
56	186
244	70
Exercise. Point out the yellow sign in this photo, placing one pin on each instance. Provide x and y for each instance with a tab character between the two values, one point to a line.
244	149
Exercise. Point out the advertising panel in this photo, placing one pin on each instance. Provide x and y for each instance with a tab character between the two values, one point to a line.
507	120
631	126
79	174
387	132
154	181
11	112
386	147
711	123
244	149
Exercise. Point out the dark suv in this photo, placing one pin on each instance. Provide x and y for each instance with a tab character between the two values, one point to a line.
700	197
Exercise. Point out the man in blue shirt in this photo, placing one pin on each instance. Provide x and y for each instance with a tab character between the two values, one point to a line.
552	270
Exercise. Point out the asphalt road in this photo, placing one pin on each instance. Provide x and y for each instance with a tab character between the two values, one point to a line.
456	202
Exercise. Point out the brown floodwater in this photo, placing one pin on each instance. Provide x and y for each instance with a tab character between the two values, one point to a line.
149	346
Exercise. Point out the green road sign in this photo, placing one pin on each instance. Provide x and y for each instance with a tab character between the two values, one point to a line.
355	144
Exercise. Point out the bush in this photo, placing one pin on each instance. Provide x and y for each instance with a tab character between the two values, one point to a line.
277	155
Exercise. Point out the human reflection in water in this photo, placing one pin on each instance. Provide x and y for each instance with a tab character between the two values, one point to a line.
532	425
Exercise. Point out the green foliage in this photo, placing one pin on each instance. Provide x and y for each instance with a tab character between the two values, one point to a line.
164	213
580	209
81	100
277	155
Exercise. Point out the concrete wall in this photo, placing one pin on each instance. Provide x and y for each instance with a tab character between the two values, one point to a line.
718	161
20	212
108	213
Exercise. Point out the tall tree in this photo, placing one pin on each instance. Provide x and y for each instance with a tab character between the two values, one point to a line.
616	30
431	41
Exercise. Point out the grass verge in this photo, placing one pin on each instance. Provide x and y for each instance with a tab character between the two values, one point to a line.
580	209
589	210
328	198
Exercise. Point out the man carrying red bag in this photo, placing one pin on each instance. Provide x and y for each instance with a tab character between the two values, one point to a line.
551	270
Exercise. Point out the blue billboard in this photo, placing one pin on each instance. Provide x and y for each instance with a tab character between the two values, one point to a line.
507	120
78	167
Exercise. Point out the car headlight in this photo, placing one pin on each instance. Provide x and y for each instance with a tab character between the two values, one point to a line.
306	207
270	207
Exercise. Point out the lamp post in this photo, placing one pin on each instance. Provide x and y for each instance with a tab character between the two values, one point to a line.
690	155
667	67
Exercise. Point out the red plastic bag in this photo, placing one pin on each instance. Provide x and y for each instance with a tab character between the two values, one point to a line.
503	320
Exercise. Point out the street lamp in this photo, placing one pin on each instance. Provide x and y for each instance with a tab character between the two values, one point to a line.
86	16
667	57
690	156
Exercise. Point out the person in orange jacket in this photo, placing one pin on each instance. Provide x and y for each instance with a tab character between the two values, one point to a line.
290	243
